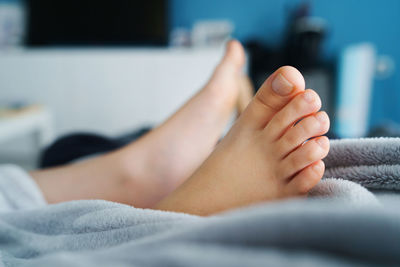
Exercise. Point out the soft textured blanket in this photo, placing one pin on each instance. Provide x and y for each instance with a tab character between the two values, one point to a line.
316	232
371	162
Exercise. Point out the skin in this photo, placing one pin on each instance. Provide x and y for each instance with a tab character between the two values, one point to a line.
145	171
262	158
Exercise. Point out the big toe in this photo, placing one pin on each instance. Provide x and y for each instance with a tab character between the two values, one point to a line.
234	54
273	95
232	63
227	75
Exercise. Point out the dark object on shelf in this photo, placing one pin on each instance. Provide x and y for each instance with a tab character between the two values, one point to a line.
300	48
97	22
304	38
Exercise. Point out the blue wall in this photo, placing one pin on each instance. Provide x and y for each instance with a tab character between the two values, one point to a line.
350	21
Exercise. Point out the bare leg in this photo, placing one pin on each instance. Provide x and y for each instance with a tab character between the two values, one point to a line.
147	170
103	177
265	155
176	148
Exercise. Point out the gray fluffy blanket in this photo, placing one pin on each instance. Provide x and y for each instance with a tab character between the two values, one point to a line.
310	232
373	162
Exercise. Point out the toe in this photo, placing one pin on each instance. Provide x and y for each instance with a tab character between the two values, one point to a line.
312	151
225	82
302	105
234	54
231	64
309	127
273	95
306	179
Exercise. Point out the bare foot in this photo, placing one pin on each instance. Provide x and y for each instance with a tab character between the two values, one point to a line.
164	158
265	155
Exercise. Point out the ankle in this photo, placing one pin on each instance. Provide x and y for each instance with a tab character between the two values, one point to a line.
140	170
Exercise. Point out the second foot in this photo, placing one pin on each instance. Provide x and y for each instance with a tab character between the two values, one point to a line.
274	151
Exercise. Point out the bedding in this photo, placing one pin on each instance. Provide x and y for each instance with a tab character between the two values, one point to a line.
371	162
341	224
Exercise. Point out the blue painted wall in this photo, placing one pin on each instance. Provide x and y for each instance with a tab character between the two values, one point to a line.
350	21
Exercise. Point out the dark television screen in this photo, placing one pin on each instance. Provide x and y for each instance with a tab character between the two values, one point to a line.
97	22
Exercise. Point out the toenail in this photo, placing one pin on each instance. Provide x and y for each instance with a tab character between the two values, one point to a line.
281	86
308	96
320	117
322	142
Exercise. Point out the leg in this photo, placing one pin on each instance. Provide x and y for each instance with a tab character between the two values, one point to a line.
147	170
265	155
177	147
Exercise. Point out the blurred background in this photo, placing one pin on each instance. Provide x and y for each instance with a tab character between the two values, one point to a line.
115	68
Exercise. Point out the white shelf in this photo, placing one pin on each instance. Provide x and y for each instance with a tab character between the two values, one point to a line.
105	90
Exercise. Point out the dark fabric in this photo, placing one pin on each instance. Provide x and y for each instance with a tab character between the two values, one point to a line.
77	145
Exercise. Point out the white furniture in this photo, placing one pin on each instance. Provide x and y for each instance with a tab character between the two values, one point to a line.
23	134
108	91
35	121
